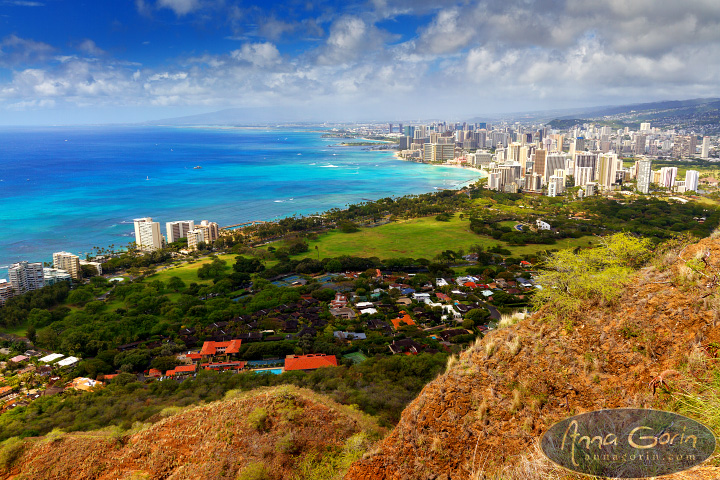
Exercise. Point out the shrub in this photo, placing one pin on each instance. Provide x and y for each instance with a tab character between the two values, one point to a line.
10	451
258	419
254	471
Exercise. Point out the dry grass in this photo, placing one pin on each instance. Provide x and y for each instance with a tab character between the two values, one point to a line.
507	320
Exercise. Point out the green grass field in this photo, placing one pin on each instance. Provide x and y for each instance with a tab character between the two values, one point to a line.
187	272
416	238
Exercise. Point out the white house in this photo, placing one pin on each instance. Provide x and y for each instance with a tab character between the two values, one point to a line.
421	297
450	310
441	282
542	225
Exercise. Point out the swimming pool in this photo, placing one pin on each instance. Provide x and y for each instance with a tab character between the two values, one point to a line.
274	371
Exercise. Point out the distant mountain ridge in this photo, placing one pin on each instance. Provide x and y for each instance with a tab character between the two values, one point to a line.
702	113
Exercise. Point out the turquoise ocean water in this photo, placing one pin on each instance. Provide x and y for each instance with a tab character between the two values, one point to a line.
74	188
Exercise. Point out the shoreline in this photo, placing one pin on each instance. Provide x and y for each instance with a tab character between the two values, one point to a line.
451	165
42	251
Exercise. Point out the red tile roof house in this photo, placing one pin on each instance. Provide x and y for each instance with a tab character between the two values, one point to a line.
443	297
181	371
224	366
309	362
226	350
406	319
339	302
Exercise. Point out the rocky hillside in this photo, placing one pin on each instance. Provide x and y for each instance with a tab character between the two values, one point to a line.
483	418
266	434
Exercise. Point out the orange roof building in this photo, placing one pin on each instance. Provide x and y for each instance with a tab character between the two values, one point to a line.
397	322
309	362
181	370
218	348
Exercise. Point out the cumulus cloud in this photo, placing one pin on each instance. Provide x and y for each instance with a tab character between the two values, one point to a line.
89	47
466	55
349	38
180	7
16	51
259	54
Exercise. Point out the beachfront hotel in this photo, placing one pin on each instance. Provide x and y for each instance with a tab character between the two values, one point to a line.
26	277
147	235
174	231
68	262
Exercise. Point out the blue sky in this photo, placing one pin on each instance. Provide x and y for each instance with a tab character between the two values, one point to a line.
97	61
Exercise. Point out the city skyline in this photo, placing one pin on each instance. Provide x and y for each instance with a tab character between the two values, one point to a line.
74	62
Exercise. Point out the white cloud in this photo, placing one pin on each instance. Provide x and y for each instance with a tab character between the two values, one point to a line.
259	54
167	76
16	51
89	47
180	7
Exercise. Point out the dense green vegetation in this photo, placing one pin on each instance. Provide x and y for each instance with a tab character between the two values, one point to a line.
379	386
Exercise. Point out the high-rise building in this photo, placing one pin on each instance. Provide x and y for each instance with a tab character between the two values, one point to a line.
644	175
555	161
438	152
684	146
540	162
640	145
691	180
26	277
667	176
585	159
513	153
211	230
584	175
606	169
645	127
6	291
147	235
194	237
705	150
556	185
177	230
68	262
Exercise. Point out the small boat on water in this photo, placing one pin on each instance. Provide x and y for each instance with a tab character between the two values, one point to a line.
197	168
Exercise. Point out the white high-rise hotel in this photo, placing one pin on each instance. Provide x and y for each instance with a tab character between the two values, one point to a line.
644	175
147	235
177	230
25	277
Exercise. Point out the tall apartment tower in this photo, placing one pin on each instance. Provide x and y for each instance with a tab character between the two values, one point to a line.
705	151
68	262
177	230
26	277
540	162
194	237
691	180
583	160
554	161
607	169
211	230
640	144
6	291
147	235
667	176
644	175
684	146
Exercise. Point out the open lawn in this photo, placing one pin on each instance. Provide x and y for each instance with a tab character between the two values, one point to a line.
416	238
187	272
19	330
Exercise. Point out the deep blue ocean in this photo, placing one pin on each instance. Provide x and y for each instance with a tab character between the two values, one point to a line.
74	188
